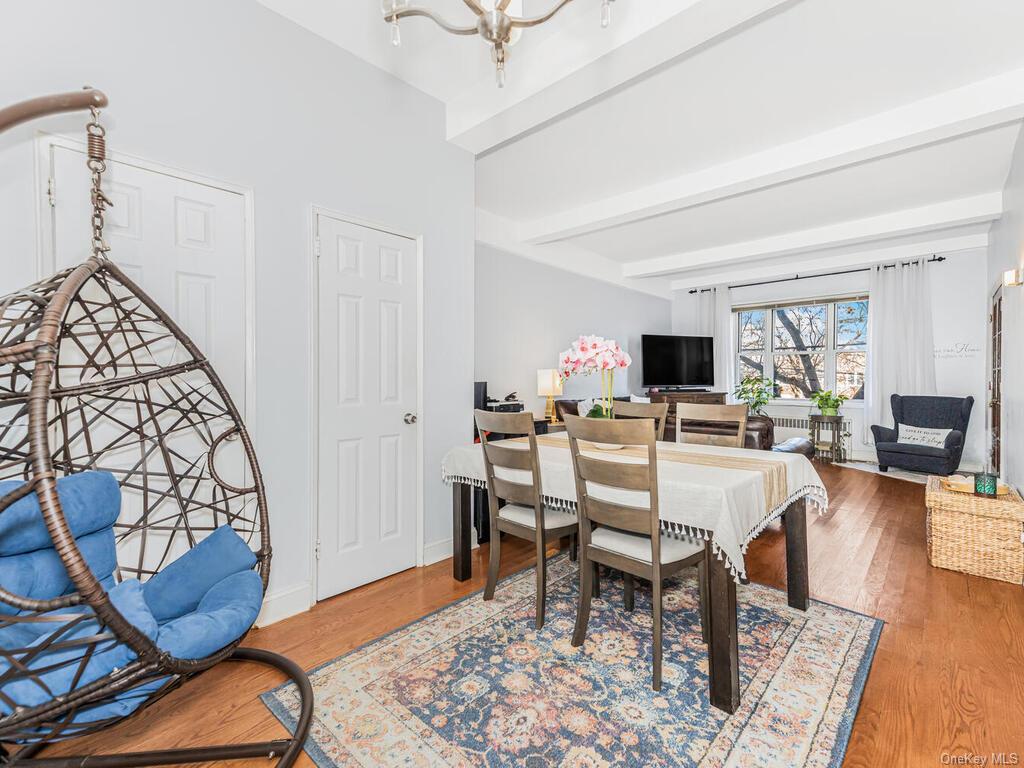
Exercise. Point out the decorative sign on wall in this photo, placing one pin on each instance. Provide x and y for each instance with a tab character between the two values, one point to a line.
960	350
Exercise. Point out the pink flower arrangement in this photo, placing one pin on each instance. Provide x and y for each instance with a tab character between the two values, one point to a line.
592	354
595	354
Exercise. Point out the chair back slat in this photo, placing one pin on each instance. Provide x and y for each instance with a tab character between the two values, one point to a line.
724	414
616	431
517	493
617	474
625	518
656	411
509	458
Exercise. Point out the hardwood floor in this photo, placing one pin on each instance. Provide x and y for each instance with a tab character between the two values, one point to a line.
948	676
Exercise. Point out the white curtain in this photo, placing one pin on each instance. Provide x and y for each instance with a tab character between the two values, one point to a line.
901	349
706	312
725	342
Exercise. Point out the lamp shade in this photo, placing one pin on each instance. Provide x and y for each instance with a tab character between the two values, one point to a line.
549	383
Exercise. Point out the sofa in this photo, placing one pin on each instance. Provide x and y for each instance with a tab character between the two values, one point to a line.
953	413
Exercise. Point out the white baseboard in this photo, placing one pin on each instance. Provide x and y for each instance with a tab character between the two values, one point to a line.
437	551
285	603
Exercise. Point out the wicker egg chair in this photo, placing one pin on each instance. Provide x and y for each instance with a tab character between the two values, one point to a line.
118	440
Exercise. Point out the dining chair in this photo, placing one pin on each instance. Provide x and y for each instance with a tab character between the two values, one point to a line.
628	537
656	411
724	414
513	477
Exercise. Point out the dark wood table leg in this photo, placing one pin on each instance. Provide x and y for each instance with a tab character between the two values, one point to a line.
462	527
723	640
796	554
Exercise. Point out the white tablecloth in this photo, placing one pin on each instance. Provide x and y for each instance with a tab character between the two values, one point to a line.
724	505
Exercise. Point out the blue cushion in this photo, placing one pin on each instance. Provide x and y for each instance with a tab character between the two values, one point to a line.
91	502
179	587
40	574
63	666
226	612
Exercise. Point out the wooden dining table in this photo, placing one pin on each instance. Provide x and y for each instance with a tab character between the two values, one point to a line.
706	492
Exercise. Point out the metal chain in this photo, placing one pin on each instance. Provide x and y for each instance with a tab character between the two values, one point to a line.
97	164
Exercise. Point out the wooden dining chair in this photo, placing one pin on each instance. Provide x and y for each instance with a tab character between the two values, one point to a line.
515	497
725	414
656	411
627	538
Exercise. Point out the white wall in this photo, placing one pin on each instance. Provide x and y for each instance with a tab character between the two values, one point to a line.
232	91
1007	252
959	289
527	313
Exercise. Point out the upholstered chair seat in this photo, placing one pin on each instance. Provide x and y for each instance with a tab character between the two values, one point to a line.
638	547
524	516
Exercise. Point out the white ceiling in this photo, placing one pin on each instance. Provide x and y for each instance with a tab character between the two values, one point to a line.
694	136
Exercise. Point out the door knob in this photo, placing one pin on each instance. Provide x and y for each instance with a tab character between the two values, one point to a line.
409	418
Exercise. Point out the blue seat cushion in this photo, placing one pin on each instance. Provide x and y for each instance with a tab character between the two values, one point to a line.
58	669
225	613
179	587
40	574
91	502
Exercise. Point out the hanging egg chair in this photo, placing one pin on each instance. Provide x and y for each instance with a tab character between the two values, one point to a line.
134	536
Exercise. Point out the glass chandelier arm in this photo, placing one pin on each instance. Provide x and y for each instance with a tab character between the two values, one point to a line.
503	4
476	8
522	23
409	12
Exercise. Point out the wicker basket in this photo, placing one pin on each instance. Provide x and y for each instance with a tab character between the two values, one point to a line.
975	534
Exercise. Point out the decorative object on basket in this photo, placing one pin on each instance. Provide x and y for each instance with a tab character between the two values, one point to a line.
828	403
986	484
976	535
549	384
595	354
964	484
756	391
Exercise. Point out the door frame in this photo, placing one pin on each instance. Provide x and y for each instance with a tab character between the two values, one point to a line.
995	293
46	256
313	393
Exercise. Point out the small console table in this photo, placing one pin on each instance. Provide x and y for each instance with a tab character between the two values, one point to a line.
832	449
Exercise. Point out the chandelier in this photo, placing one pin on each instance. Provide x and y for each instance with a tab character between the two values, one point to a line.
495	23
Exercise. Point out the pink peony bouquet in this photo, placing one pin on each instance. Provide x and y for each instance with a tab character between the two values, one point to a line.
595	354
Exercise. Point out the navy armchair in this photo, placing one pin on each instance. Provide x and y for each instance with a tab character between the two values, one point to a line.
952	413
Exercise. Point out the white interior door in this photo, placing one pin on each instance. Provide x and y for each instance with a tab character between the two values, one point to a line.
368	393
181	241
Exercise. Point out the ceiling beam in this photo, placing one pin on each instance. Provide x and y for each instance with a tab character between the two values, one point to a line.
945	215
985	104
501	233
566	71
809	265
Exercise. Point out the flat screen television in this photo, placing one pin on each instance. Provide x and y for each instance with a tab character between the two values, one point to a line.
678	361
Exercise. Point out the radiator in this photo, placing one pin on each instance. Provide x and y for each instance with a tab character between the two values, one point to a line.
804	424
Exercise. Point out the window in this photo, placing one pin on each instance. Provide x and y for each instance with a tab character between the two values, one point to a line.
806	348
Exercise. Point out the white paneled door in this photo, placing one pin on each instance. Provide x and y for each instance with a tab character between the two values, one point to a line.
368	394
181	241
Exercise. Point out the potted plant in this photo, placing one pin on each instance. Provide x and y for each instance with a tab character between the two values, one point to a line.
756	391
595	354
828	403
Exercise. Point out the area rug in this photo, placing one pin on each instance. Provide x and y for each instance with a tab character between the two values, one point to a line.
921	478
474	684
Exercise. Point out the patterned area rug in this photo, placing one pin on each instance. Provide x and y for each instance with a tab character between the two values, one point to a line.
475	684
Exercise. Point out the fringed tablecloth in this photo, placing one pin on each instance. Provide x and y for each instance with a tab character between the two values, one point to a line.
725	495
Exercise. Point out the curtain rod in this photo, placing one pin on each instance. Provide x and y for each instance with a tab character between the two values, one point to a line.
934	258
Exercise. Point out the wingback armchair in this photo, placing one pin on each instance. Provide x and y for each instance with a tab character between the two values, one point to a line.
951	413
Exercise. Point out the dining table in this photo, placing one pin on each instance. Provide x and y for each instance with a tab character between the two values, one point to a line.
723	496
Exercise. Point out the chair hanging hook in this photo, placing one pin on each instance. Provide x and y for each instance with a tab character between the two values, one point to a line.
96	151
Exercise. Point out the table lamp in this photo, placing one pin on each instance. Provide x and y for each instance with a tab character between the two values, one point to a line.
549	384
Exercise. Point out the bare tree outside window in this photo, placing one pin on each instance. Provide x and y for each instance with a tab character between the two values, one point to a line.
806	349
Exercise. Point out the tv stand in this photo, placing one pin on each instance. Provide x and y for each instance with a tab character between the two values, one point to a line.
701	396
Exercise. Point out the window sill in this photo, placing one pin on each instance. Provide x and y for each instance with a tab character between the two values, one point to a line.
857	405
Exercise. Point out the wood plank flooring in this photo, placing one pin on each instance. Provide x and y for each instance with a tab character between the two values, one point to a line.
948	676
